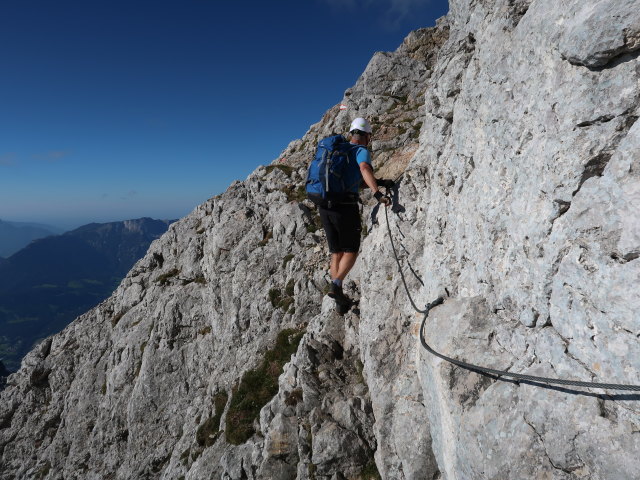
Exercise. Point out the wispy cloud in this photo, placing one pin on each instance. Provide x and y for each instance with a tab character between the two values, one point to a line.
7	159
395	12
52	155
399	10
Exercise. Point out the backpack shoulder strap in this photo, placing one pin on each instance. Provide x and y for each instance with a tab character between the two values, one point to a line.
352	150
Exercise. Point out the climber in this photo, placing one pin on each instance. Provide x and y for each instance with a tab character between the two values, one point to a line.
341	221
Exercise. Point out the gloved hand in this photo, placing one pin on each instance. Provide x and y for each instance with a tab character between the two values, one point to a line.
384	199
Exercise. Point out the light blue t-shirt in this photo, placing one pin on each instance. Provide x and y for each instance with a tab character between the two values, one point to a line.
354	177
363	155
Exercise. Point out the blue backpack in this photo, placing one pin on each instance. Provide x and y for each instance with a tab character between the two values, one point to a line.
333	173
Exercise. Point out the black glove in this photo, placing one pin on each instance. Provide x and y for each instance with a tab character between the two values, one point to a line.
381	198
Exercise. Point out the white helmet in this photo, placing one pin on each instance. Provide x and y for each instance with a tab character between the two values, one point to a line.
360	124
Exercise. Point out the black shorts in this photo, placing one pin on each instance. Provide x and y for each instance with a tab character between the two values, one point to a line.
342	226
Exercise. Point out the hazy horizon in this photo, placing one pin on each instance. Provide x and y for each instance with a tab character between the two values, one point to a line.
119	110
72	225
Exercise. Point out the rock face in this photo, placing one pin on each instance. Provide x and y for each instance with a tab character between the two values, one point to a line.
515	124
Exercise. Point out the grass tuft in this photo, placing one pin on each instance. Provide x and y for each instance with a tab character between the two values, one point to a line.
316	222
258	386
286	303
370	471
288	290
268	236
208	432
295	193
283	301
287	259
312	468
164	278
116	318
274	296
43	471
294	397
199	279
184	457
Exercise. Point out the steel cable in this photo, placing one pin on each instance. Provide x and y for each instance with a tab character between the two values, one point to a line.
478	368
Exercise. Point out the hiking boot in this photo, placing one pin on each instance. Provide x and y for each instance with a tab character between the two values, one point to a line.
343	306
335	291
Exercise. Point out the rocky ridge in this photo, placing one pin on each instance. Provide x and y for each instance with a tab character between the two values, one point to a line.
518	204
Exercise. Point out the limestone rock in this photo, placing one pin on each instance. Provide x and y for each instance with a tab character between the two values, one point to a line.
596	34
517	203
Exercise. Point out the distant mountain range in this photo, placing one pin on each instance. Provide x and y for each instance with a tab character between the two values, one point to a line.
16	235
51	281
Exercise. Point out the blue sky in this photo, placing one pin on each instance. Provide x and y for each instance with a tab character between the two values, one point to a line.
113	109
